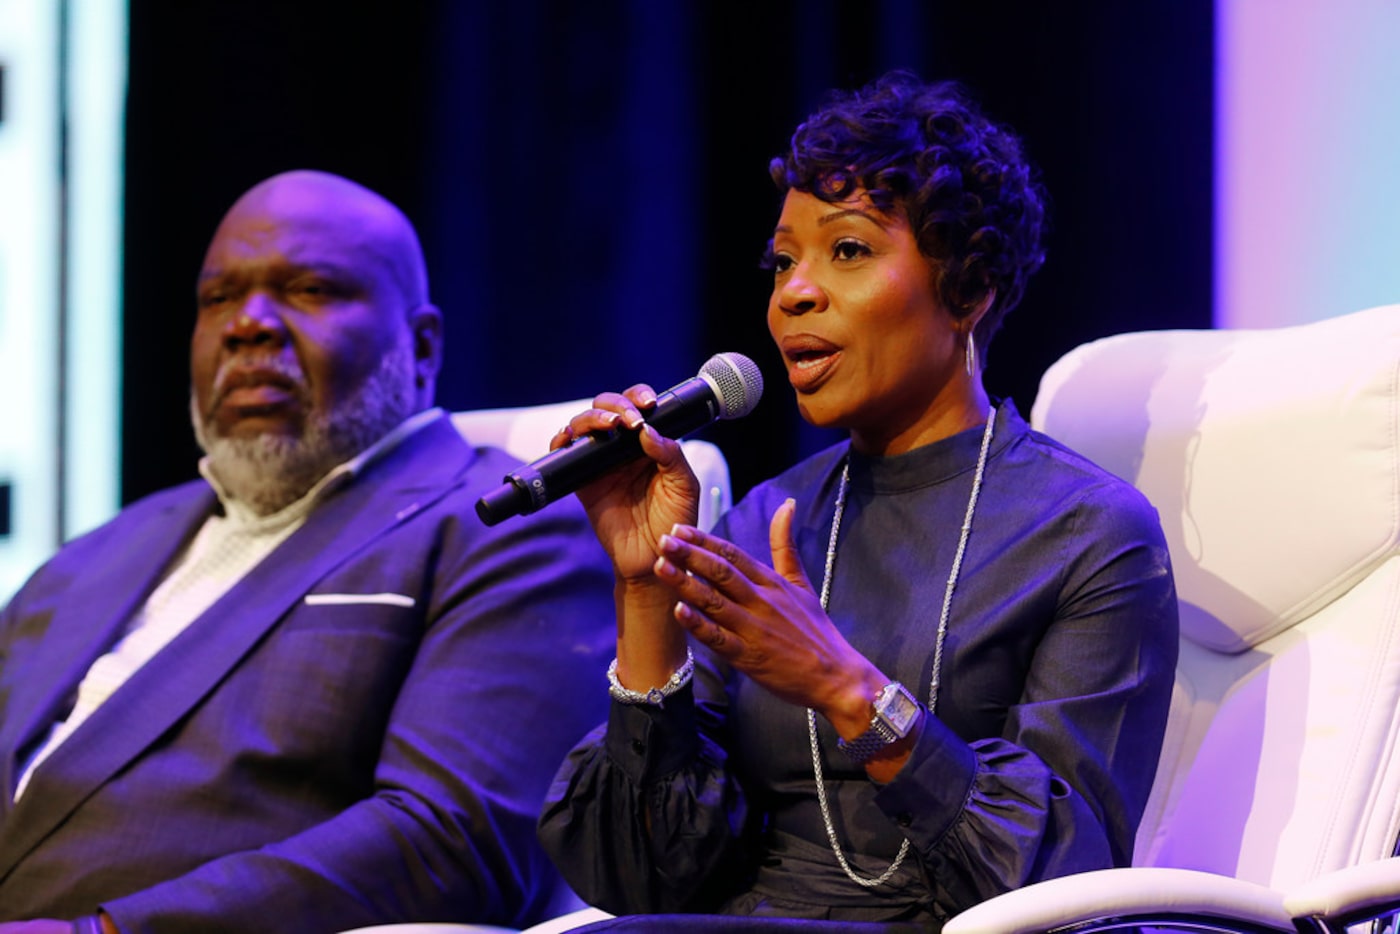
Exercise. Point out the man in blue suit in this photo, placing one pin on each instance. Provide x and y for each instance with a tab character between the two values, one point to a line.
311	691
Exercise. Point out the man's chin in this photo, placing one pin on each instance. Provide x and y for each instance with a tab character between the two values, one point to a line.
248	425
269	455
267	470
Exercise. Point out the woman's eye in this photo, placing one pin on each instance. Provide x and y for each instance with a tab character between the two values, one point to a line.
775	262
849	249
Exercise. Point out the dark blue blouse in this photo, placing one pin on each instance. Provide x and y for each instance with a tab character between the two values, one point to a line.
1057	674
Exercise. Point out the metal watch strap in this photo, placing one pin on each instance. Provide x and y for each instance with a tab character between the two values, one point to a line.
864	747
879	735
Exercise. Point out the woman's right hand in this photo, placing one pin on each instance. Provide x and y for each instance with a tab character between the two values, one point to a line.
634	504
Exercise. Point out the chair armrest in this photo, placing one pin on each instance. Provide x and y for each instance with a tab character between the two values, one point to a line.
410	927
1347	896
568	922
1140	892
565	922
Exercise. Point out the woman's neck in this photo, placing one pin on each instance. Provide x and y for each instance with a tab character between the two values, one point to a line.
944	418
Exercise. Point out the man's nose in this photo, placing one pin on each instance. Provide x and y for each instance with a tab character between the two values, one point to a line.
258	322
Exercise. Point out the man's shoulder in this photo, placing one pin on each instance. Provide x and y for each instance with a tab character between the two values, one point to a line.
488	466
438	454
144	520
157	506
477	470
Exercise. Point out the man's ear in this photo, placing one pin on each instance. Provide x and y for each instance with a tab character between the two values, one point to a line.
425	324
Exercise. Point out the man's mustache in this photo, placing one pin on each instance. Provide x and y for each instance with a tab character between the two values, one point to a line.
238	372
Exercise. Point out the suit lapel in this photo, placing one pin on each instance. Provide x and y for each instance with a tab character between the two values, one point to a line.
91	613
422	469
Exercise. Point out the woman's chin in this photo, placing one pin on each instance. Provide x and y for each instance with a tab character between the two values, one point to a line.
820	413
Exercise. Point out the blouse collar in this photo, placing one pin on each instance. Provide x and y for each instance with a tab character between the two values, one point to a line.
934	463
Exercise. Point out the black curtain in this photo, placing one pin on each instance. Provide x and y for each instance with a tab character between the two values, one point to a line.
590	180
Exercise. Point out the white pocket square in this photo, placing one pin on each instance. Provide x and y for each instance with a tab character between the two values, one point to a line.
350	599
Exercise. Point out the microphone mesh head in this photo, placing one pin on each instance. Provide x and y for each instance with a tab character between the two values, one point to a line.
736	381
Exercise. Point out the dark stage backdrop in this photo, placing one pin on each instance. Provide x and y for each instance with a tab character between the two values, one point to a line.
590	180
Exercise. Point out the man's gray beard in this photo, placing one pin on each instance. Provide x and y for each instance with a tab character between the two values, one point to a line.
271	471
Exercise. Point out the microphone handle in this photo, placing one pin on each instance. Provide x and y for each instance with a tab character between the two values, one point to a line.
678	411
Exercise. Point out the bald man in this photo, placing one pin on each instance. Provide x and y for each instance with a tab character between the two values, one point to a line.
311	691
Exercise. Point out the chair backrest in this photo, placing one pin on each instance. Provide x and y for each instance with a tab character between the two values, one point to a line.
524	431
1273	458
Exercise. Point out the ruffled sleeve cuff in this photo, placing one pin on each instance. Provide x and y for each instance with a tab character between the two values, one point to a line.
930	793
648	742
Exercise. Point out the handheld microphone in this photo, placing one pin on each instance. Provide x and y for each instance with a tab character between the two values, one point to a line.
728	386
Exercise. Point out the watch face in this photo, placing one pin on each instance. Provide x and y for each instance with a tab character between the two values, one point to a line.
898	708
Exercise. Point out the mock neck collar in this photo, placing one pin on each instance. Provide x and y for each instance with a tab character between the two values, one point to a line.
935	463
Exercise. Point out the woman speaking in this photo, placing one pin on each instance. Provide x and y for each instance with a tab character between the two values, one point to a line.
925	666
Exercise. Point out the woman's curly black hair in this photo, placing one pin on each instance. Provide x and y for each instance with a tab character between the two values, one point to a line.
925	151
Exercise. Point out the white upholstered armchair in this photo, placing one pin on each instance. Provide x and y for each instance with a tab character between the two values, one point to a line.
1273	458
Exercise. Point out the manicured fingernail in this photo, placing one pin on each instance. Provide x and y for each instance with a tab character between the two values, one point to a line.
669	544
611	418
633	419
669	570
685	533
683	611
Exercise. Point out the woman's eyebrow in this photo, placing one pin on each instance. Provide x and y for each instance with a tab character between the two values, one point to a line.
850	212
836	216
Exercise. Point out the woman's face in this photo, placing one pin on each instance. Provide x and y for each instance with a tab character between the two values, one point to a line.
868	346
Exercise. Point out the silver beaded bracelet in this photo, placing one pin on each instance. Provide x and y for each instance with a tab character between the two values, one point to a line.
656	696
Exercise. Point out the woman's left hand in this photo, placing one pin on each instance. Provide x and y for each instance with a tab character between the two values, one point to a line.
769	622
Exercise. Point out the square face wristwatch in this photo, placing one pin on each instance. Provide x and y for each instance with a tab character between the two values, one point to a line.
896	712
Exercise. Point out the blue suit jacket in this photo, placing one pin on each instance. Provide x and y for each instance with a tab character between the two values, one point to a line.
309	767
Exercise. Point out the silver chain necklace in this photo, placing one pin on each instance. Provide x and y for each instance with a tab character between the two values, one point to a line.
884	877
